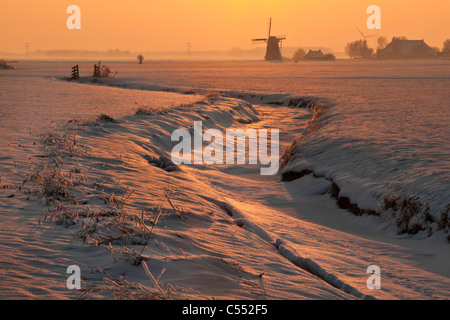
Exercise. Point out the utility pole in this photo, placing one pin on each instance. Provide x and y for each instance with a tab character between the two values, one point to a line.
189	49
27	46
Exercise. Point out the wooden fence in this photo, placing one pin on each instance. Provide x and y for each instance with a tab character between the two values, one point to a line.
75	73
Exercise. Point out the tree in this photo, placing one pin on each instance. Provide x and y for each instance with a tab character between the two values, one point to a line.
436	49
299	54
140	58
330	56
446	46
351	50
358	49
399	38
382	42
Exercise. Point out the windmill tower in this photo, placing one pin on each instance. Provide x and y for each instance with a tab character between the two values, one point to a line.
274	44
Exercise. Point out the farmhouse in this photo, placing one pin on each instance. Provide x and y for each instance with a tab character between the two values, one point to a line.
315	55
407	49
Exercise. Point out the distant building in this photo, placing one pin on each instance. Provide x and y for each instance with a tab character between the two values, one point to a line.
315	55
407	49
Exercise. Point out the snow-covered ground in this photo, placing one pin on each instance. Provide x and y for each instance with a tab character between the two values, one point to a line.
222	231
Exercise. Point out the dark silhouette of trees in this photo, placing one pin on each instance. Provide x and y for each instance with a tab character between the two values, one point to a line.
299	54
436	49
399	38
140	58
330	56
382	42
359	50
446	46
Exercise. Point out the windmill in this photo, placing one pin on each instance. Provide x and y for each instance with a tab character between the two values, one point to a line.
274	44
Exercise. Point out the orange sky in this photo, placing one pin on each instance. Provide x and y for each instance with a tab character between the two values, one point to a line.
149	25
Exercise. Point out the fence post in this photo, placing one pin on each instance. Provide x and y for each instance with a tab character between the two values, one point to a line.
96	71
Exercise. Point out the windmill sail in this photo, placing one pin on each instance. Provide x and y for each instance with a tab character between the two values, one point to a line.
270	27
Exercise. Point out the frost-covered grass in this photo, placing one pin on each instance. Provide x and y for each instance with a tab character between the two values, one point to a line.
75	199
287	155
314	124
104	71
98	119
150	111
160	110
50	175
411	215
122	289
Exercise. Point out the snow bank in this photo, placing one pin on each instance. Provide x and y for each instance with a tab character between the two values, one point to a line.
311	266
370	176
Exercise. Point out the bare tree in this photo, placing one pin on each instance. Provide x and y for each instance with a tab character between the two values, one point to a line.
382	42
446	46
140	58
399	38
436	49
299	54
359	49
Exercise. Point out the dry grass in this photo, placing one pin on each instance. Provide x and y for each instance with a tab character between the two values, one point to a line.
188	91
159	110
59	177
312	125
121	289
211	95
315	124
288	155
61	145
444	222
54	183
150	111
411	215
85	122
57	173
104	71
105	118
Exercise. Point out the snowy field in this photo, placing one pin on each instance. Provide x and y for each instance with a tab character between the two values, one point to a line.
369	137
